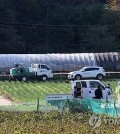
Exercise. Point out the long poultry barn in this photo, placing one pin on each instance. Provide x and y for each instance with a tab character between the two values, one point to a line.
63	62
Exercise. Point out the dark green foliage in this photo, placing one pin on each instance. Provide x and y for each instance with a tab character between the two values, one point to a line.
53	26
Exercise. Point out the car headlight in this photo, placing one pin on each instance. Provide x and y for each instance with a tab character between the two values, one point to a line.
70	76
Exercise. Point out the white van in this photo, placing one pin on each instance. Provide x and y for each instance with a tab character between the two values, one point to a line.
88	88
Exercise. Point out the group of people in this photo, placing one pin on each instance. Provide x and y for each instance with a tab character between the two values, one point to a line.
98	92
78	93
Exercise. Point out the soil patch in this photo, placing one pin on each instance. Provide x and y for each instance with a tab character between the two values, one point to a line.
5	101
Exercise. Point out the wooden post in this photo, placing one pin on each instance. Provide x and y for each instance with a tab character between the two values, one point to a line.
37	104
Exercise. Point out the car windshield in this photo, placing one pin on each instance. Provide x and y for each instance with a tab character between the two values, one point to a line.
94	84
83	69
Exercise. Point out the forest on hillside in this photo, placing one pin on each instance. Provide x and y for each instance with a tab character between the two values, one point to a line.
59	26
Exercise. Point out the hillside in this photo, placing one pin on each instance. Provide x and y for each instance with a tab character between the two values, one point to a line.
59	26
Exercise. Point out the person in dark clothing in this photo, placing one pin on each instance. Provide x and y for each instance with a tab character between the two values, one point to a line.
108	86
77	92
98	93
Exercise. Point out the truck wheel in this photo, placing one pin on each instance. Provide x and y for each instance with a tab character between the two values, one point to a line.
24	79
99	76
78	77
44	78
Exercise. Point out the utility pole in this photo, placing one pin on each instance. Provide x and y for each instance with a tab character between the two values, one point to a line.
47	30
47	22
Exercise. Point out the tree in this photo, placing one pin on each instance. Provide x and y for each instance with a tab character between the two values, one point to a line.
10	42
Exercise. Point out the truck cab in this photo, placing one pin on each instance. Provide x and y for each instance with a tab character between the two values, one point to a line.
42	71
88	88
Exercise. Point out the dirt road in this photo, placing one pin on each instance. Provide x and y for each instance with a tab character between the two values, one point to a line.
4	101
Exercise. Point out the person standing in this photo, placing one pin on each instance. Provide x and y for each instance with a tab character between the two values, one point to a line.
117	91
98	93
77	92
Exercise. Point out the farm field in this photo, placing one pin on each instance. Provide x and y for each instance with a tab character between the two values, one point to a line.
30	91
53	122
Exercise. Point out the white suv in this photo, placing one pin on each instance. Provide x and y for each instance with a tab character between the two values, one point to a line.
88	72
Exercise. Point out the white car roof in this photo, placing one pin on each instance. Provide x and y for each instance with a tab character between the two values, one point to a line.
92	67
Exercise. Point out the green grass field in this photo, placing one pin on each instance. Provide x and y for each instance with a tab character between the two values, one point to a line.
30	91
23	92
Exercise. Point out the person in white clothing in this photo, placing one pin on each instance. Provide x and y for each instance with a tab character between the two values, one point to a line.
117	91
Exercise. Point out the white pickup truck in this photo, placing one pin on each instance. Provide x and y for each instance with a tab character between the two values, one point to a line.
36	71
88	90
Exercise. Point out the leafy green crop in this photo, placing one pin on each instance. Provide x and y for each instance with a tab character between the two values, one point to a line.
21	91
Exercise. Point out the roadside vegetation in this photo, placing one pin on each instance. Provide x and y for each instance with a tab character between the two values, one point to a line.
51	123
